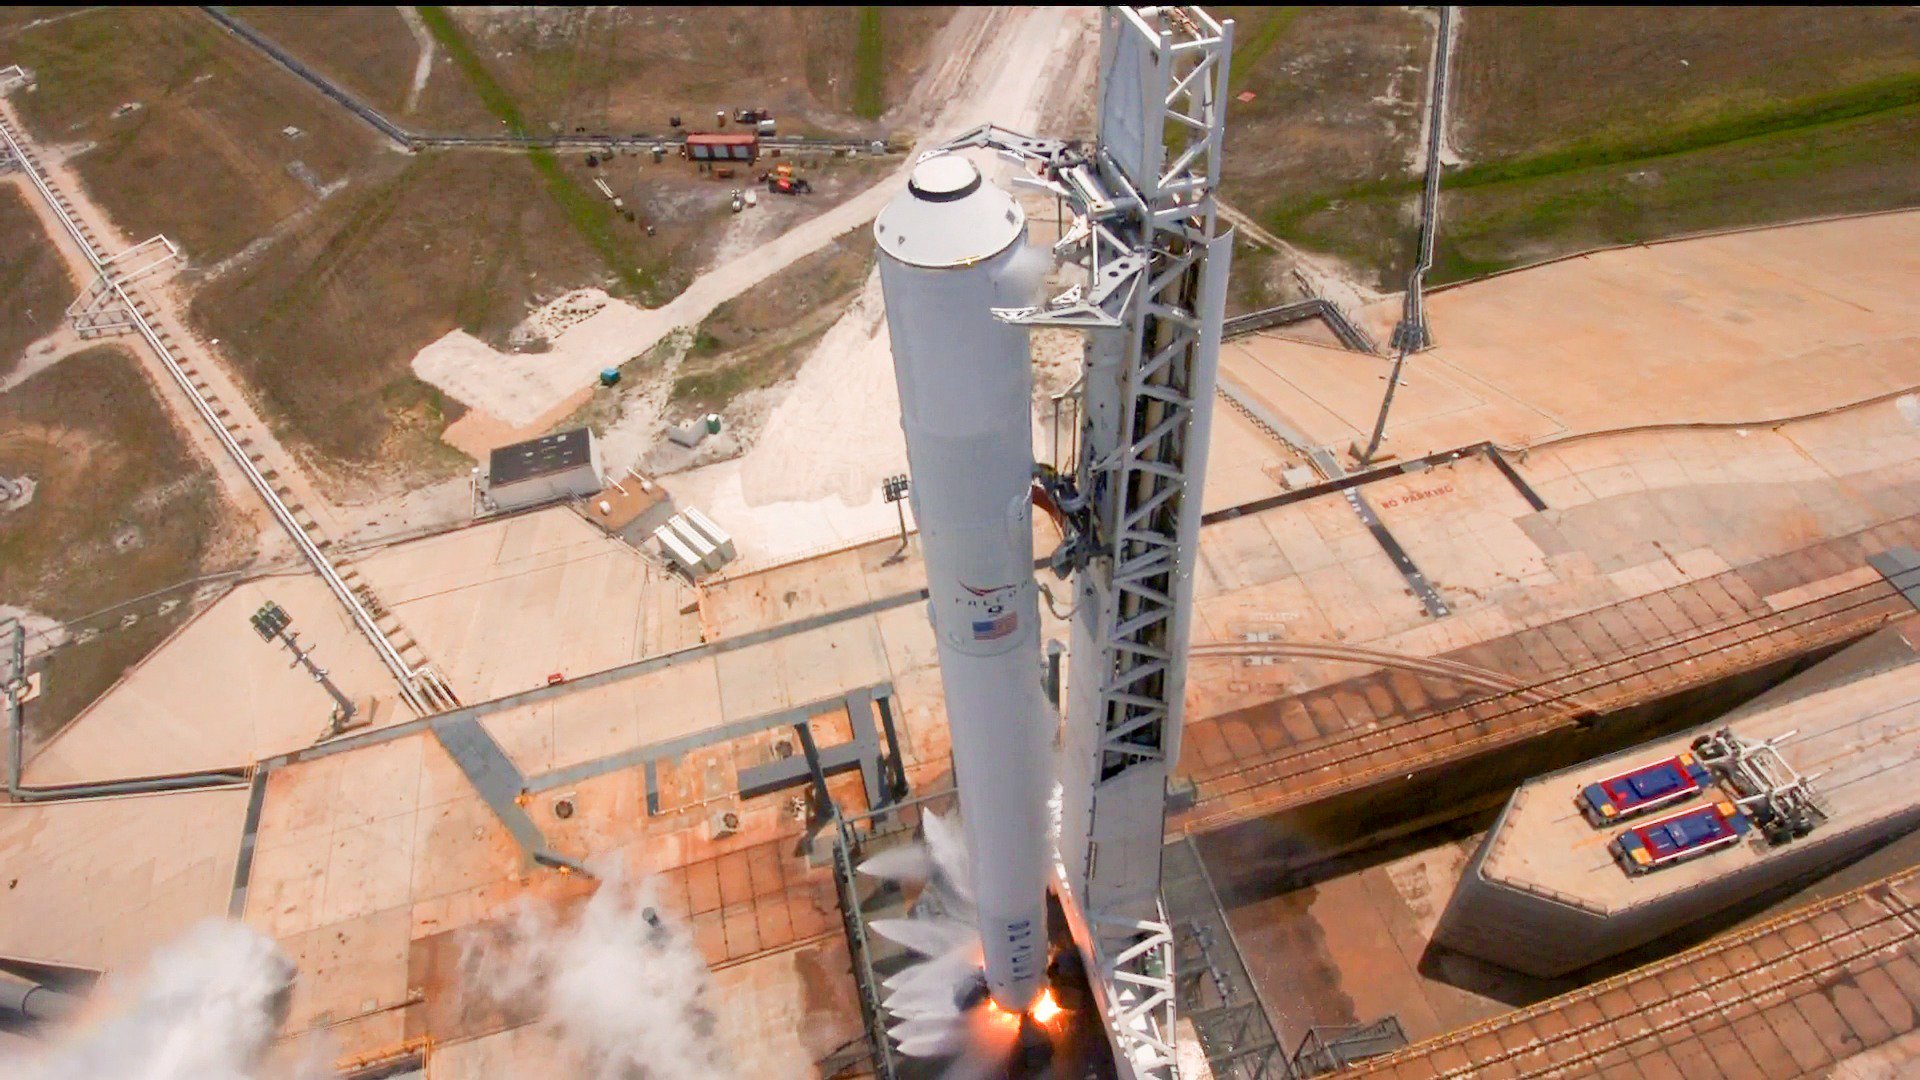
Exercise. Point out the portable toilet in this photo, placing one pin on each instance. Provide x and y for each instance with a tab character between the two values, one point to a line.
609	376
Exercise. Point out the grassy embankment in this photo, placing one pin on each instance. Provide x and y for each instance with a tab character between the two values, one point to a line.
869	65
1321	98
1856	148
591	216
754	340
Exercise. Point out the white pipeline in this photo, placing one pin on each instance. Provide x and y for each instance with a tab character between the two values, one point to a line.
403	672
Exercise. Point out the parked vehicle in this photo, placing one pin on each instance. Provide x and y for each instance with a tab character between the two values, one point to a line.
1643	789
1679	837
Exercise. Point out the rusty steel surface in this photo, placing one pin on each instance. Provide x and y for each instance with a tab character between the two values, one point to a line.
1789	997
1285	754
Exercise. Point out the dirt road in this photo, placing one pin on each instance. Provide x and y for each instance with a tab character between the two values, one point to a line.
169	307
1002	64
812	478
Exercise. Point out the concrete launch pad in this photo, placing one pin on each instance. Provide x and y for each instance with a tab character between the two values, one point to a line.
215	696
579	601
371	866
1595	576
99	883
1734	328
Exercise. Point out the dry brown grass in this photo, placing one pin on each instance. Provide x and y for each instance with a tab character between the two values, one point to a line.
1337	93
34	287
616	69
202	159
633	67
368	49
1533	78
762	337
122	507
1337	99
14	19
325	323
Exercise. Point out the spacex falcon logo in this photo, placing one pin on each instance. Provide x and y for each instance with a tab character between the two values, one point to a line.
989	612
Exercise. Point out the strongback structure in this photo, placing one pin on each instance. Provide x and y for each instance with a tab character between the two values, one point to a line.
1143	228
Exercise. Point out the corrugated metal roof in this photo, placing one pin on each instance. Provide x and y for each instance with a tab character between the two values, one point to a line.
706	138
540	457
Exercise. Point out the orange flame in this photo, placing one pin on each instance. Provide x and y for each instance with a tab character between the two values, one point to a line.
1046	1008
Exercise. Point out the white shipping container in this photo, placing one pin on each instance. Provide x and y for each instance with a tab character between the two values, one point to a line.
676	550
715	535
699	545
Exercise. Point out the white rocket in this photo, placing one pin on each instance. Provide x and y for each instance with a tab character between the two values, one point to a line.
950	250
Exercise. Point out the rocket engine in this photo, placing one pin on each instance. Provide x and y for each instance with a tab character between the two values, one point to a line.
950	250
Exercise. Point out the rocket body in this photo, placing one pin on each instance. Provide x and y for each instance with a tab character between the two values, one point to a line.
949	248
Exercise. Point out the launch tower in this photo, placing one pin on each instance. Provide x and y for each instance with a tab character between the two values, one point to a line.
1143	231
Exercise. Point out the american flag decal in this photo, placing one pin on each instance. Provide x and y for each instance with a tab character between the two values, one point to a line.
995	629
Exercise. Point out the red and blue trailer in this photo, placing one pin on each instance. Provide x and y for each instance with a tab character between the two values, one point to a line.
1677	837
1643	789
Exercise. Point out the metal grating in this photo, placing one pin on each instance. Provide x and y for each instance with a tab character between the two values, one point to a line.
1215	992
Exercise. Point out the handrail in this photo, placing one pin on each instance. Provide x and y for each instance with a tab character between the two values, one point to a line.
390	656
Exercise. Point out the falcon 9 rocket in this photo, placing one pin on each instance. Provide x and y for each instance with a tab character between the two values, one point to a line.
951	248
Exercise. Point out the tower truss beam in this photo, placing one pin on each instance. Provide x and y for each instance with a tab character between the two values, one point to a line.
1145	233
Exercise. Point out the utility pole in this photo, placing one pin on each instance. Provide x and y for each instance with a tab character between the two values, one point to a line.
271	623
14	688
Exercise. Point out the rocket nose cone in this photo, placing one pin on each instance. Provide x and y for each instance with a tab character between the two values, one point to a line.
949	216
944	178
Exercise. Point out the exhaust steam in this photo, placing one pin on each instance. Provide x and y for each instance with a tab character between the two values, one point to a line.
206	1008
622	986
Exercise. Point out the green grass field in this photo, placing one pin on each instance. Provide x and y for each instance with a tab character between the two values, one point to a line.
1843	166
869	66
1835	152
1581	127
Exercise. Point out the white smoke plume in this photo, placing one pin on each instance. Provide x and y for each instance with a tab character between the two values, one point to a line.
206	1008
927	998
1025	275
622	986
